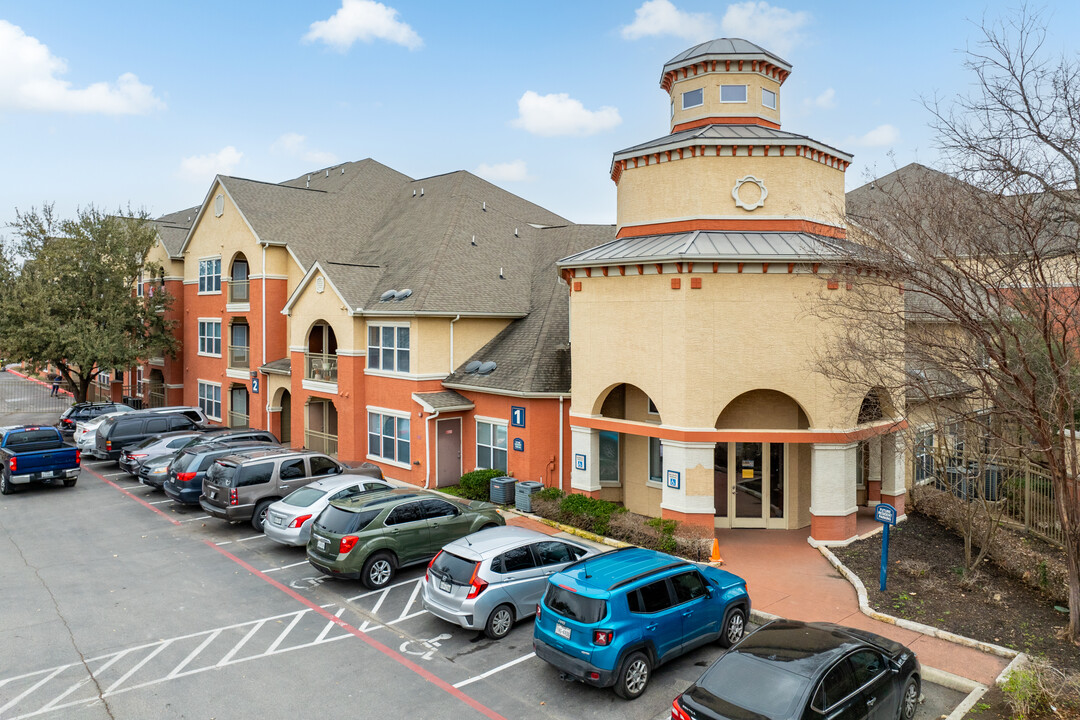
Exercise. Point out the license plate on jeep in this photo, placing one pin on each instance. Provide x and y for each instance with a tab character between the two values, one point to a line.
562	631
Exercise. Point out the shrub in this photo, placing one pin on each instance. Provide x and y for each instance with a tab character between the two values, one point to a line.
588	513
476	485
549	493
1038	687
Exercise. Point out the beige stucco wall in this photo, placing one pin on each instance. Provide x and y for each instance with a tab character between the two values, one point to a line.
431	341
700	187
220	236
694	351
326	306
712	106
159	256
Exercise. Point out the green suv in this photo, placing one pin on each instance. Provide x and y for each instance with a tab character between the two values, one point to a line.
371	537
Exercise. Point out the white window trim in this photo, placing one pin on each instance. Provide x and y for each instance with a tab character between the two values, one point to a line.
198	397
381	372
319	386
499	422
237	307
691	107
774	98
654	484
221	277
735	102
199	337
367	432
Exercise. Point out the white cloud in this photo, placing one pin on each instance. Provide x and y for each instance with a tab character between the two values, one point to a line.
203	168
881	136
826	99
295	145
661	17
560	114
774	28
29	81
364	20
514	171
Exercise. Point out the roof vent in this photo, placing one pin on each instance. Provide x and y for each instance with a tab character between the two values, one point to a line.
402	294
501	276
515	232
388	295
486	368
414	193
320	284
484	207
421	192
474	240
342	169
327	172
472	366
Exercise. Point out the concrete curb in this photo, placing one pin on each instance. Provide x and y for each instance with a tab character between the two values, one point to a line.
864	607
569	529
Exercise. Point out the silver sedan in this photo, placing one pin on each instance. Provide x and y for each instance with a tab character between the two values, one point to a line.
490	579
288	521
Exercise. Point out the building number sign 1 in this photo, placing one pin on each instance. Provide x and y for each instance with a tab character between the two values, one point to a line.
517	416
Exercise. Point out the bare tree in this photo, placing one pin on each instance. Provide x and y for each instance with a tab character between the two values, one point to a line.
965	287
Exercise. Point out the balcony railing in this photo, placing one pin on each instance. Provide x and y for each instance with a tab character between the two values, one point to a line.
320	367
238	420
156	395
239	356
238	291
321	442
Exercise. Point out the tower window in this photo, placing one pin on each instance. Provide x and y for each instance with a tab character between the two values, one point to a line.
733	93
693	98
768	98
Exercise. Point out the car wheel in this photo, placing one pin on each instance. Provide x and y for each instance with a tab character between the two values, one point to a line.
70	482
259	518
734	627
500	622
633	676
378	571
909	701
5	484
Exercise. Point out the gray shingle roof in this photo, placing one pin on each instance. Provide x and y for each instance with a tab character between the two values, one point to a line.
173	229
710	245
445	400
723	48
727	135
278	367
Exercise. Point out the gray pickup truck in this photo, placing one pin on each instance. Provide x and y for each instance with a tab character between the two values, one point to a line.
32	453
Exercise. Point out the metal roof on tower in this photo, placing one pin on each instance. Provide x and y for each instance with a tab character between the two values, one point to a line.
723	49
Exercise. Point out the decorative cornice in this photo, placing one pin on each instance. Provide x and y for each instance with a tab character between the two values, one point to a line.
764	224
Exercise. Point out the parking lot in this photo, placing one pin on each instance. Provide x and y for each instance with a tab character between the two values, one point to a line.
120	604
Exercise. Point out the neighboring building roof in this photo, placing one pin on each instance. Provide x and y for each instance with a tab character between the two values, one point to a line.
173	229
444	401
711	245
278	367
925	382
722	49
532	355
727	135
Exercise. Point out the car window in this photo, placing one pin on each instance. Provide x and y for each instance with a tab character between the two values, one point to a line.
292	469
177	443
255	474
688	586
347	492
514	560
571	605
836	686
652	598
865	666
304	497
127	427
407	513
553	552
180	423
157	425
437	508
375	487
339	521
323	466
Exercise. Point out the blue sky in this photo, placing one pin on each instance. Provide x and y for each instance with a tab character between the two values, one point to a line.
141	103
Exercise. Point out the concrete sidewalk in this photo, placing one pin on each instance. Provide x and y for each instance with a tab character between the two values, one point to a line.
785	576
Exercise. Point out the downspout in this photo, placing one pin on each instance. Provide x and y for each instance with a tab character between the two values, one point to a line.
561	486
427	444
266	390
452	367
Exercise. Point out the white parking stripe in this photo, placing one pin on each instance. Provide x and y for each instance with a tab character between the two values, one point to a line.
113	474
161	502
201	517
79	684
275	569
191	656
34	687
412	599
329	626
288	629
236	648
142	662
492	671
253	537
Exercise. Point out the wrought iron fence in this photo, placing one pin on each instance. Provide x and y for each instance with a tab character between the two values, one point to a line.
320	367
321	442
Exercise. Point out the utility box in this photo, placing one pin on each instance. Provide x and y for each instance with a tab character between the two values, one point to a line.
502	490
523	494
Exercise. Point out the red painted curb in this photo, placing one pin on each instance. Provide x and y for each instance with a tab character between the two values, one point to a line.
39	382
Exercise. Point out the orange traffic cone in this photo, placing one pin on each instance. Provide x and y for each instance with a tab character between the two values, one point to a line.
715	557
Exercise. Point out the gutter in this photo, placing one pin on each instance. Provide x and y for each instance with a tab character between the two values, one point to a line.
427	448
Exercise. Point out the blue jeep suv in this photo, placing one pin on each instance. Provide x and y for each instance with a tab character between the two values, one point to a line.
610	619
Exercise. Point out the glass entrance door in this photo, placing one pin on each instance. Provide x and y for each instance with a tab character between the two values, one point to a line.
750	483
747	486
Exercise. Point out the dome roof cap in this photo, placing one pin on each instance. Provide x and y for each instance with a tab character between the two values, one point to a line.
724	49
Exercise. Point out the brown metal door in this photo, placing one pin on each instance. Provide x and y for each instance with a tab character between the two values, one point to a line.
448	452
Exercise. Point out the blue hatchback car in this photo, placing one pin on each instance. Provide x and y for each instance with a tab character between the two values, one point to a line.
610	619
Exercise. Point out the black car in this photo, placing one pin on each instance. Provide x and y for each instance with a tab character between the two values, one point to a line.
797	670
184	480
86	411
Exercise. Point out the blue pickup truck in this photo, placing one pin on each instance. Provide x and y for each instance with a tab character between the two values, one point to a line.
32	453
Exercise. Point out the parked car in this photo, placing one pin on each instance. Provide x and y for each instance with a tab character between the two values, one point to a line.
154	471
227	434
87	411
788	669
30	453
85	435
169	443
242	486
371	537
491	579
610	620
118	433
288	521
182	478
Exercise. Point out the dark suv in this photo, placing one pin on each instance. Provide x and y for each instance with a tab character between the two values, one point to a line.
609	620
86	411
123	431
184	479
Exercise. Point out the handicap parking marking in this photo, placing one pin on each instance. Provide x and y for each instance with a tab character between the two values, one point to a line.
425	649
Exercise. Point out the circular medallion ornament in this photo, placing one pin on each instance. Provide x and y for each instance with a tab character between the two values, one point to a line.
749	199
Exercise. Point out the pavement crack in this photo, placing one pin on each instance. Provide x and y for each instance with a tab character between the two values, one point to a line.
71	635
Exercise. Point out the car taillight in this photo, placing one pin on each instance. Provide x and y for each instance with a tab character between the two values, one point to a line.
602	637
347	543
476	585
537	611
234	497
677	713
428	571
78	456
132	456
13	464
185	477
108	445
299	521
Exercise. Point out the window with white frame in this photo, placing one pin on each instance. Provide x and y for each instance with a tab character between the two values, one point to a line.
693	98
924	455
139	285
210	275
768	98
388	348
210	337
139	378
656	460
210	399
732	93
388	436
491	445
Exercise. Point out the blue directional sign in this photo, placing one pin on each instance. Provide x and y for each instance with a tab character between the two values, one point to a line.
517	416
885	514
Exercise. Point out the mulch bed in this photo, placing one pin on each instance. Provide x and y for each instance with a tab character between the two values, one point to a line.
925	585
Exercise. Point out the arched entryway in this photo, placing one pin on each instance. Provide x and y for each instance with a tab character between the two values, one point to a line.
758	481
321	356
155	391
285	431
630	466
